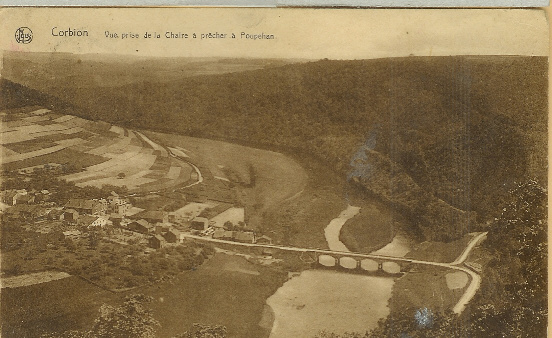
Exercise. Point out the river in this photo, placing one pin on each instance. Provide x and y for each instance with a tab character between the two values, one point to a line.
334	228
334	301
328	300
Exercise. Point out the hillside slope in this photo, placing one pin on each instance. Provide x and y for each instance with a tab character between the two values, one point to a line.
439	138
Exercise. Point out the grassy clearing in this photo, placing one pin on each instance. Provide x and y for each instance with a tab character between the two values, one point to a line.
301	221
439	251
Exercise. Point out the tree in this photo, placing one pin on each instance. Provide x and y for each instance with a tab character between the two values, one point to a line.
204	331
131	319
519	234
228	225
94	237
70	245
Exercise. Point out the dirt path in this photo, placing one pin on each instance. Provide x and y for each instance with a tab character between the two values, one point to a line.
469	248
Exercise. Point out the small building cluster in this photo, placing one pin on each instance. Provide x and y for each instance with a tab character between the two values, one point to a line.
22	196
217	219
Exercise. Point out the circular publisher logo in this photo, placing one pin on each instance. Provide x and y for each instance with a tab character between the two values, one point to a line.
23	35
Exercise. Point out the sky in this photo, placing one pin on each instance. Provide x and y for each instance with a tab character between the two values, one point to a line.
299	33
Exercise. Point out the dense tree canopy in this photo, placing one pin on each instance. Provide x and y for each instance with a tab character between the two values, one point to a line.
449	135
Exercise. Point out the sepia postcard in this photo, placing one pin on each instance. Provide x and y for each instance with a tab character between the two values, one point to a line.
273	172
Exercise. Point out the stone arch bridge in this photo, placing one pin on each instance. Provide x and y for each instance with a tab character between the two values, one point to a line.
358	264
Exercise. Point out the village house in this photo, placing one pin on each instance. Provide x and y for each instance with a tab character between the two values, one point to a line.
263	240
156	242
161	228
223	234
118	205
218	234
104	203
200	223
13	197
8	197
173	236
244	237
142	226
84	206
23	199
70	215
92	221
116	219
152	216
55	214
25	212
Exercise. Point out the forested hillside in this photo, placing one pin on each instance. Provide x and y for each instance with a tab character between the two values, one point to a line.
443	139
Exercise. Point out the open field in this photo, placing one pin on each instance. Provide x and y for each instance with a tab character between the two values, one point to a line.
225	290
27	146
100	152
32	278
266	178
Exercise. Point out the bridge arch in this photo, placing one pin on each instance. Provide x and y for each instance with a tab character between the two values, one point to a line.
327	260
369	265
391	267
348	263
